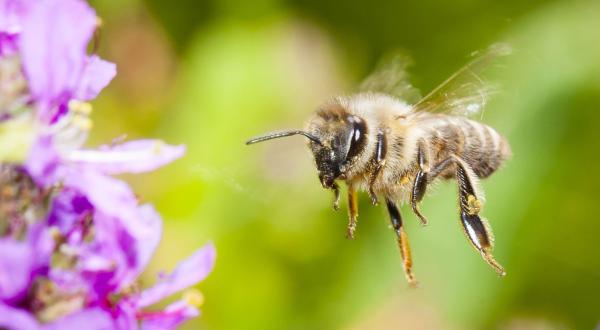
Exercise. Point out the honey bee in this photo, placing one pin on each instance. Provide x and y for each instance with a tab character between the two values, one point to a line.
378	142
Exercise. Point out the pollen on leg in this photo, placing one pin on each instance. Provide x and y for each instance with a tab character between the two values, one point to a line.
474	205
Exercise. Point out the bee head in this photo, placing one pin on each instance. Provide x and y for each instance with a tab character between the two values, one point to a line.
334	140
341	140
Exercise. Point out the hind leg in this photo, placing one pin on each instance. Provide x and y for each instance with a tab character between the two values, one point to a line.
476	228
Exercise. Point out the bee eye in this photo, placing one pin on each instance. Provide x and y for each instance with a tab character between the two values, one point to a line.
357	136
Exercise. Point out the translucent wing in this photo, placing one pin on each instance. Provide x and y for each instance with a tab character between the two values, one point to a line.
391	77
466	92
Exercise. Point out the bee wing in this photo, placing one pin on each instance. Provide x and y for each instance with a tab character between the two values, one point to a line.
466	92
391	77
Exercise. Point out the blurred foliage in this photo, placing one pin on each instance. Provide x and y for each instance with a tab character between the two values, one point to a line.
210	74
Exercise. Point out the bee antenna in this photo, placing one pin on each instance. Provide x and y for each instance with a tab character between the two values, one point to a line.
276	135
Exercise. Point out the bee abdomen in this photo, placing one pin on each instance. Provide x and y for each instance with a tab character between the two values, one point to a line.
485	150
477	144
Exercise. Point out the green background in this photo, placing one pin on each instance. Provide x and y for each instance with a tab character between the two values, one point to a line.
210	74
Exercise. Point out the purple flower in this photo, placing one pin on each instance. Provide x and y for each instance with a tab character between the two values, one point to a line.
171	317
51	39
89	261
20	261
125	233
126	314
92	318
53	43
11	13
73	239
16	319
15	267
85	170
129	157
186	274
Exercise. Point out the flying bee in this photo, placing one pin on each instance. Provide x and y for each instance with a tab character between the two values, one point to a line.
378	142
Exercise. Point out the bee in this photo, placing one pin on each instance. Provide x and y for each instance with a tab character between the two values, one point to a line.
379	142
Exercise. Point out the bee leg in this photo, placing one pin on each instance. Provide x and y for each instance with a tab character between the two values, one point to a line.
420	183
372	178
336	196
403	244
439	168
422	179
476	228
379	160
352	211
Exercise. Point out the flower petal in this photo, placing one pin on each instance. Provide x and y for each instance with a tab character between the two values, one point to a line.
189	272
16	265
43	162
129	157
97	74
147	233
11	13
68	206
121	249
42	242
170	318
111	196
8	44
91	319
108	258
16	319
53	46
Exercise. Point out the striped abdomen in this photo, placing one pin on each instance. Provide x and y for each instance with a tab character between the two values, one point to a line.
479	145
